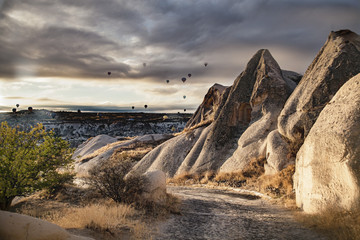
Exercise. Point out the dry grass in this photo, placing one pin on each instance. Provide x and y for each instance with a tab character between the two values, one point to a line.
192	178
248	176
105	218
232	179
336	223
200	124
87	213
279	185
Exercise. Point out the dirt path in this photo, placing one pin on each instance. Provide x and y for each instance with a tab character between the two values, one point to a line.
219	214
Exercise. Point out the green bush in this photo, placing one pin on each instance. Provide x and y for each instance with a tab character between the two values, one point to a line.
111	182
31	161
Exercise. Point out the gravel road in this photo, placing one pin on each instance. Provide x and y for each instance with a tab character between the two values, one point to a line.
220	214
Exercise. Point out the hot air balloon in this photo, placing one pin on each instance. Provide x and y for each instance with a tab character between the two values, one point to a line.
167	81
30	109
145	106
79	111
185	110
132	107
14	110
184	96
165	117
183	80
189	75
144	64
205	64
109	73
17	105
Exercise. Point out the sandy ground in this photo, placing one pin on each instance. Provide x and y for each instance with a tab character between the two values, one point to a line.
220	214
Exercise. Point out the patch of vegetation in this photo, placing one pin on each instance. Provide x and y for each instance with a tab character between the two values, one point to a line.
111	181
279	184
232	179
334	222
31	161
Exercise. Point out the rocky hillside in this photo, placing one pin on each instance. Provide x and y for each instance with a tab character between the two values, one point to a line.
78	127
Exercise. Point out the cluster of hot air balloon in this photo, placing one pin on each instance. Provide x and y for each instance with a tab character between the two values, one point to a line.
183	79
18	105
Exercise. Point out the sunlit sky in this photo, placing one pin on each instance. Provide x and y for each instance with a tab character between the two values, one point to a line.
56	54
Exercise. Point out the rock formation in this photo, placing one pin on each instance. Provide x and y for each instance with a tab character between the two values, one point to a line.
206	111
256	96
327	165
98	150
14	226
337	61
277	153
168	156
267	99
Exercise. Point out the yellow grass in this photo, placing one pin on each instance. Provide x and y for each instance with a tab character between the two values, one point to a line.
336	223
101	217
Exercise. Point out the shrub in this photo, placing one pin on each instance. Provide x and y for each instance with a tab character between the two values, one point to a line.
30	161
110	181
279	184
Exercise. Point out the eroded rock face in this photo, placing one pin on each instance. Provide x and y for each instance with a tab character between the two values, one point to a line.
337	61
328	164
98	151
207	109
14	226
256	97
267	99
92	144
168	156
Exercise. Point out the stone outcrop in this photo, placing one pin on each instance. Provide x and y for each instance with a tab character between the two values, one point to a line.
255	98
92	144
169	155
14	226
267	99
97	151
206	111
277	153
337	61
327	165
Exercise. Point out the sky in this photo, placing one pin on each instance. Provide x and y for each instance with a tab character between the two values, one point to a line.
57	54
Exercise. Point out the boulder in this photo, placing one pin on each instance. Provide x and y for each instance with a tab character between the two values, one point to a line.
155	186
269	94
327	165
14	226
100	155
277	153
337	61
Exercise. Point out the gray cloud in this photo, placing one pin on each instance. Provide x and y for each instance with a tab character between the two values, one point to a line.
87	38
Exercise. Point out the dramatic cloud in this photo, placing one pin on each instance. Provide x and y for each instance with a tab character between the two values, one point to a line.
86	39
